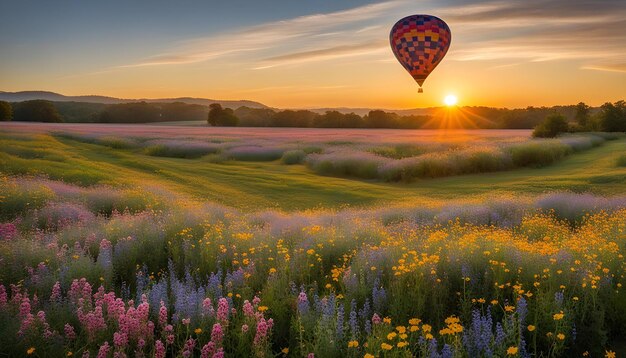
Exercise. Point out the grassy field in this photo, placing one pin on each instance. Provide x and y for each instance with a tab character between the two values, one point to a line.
253	185
173	241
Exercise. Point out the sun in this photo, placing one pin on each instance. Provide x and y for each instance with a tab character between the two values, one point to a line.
450	100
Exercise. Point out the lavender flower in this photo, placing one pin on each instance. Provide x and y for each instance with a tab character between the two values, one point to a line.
340	317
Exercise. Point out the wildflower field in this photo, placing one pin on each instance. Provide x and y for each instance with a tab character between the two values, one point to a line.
169	241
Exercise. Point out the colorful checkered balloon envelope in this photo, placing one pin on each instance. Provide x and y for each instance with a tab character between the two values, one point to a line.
420	42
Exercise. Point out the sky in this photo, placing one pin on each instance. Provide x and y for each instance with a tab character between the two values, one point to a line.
315	53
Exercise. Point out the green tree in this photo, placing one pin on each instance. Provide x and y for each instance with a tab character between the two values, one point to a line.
134	112
6	111
381	119
219	116
553	125
254	117
582	115
612	117
36	110
290	118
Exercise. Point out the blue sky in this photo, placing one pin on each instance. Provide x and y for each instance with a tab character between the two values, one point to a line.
314	53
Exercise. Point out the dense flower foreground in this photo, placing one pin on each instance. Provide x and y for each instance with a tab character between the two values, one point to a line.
102	272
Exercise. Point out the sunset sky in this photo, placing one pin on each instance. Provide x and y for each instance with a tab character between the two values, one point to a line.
322	53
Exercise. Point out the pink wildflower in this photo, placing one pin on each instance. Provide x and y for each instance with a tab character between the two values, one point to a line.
208	350
159	349
69	332
261	332
103	352
217	335
56	292
222	310
120	340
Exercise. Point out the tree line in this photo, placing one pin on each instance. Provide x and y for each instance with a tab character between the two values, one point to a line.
610	118
547	120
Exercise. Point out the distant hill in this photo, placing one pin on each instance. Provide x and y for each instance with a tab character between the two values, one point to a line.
56	97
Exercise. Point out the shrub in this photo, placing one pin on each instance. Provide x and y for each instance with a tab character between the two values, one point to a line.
552	126
538	153
356	164
293	156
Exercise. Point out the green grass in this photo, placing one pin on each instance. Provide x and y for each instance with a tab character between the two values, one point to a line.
261	185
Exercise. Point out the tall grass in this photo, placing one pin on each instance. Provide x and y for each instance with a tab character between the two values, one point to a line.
355	164
469	276
254	153
398	164
179	148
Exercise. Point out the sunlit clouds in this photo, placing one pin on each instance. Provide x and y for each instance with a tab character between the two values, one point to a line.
502	54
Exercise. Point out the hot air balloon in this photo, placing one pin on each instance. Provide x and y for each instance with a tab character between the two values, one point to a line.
420	42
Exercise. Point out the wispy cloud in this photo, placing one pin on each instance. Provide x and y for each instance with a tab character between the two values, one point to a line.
325	54
588	31
541	30
611	67
301	39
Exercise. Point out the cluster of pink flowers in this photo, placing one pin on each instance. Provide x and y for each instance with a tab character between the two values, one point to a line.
27	318
70	334
103	352
56	292
217	335
80	289
162	315
262	330
8	231
159	349
208	350
190	344
92	321
129	327
136	323
248	309
222	310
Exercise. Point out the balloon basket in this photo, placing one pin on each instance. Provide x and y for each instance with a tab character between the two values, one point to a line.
420	91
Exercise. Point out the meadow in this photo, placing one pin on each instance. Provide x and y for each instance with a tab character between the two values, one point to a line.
182	241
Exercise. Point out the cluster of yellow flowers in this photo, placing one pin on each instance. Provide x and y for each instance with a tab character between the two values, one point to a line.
453	326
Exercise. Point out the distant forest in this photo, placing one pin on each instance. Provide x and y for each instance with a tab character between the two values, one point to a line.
144	112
